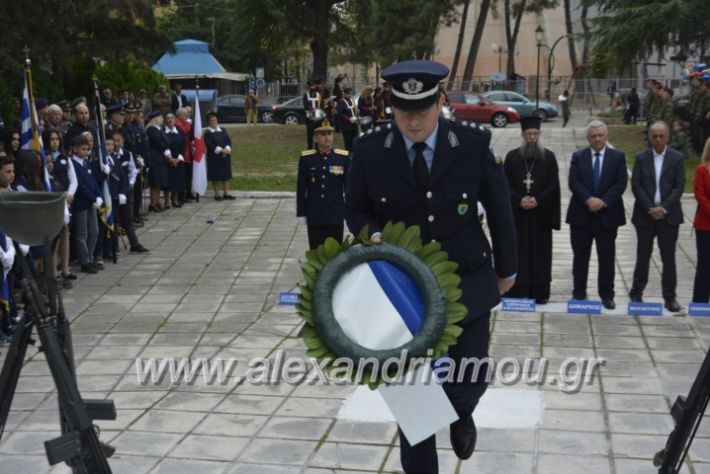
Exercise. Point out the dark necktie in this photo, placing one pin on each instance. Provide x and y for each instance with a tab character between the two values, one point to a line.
597	171
421	172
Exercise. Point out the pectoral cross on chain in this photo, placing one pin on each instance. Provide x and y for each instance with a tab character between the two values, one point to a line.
528	182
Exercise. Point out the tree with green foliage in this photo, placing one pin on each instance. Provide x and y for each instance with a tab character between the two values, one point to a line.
513	11
632	30
384	32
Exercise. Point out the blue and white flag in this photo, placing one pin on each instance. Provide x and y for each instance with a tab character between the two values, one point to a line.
30	137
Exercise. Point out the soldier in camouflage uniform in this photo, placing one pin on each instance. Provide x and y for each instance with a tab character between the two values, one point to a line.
666	107
697	93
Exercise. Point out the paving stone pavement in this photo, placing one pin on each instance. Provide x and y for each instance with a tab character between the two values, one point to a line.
212	290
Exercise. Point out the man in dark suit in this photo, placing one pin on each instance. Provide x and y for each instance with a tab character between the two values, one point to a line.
658	181
597	179
177	99
428	171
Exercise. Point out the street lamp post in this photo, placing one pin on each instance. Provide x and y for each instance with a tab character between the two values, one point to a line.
498	49
539	32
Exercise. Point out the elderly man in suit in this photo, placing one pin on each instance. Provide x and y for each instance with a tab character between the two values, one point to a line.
597	179
658	181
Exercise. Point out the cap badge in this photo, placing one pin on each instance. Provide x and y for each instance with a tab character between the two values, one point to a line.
412	86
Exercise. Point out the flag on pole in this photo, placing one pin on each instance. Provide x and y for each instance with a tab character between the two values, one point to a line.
199	164
30	138
106	211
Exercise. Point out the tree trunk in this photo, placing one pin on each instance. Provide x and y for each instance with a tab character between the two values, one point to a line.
459	45
475	44
511	38
319	43
570	37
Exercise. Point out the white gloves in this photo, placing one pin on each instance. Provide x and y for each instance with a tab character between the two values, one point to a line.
181	158
122	199
25	249
167	154
301	220
132	182
99	202
7	258
105	168
140	162
353	119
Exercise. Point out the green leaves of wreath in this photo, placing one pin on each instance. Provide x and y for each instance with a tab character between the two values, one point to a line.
428	265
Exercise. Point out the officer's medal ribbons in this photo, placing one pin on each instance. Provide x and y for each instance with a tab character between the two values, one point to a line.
336	169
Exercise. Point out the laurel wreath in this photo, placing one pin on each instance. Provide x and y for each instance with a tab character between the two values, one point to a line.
428	265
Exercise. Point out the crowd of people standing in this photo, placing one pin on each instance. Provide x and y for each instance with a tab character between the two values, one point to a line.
149	144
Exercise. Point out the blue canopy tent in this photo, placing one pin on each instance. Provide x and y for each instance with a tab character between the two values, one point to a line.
192	62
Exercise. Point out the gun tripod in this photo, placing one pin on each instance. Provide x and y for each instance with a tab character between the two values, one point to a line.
687	414
78	445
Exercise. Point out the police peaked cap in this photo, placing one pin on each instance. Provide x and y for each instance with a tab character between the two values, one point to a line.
114	108
415	84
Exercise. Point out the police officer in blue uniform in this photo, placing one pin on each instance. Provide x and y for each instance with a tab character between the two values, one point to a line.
322	174
429	171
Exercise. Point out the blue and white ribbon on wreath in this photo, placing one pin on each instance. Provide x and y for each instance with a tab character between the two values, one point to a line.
379	306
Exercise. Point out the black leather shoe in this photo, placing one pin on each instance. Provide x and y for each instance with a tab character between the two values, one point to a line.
672	305
579	296
608	303
636	299
463	436
139	249
88	269
541	301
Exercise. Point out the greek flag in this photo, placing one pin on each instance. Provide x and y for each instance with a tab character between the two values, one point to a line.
30	138
106	211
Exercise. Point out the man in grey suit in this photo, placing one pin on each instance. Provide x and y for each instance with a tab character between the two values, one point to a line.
657	183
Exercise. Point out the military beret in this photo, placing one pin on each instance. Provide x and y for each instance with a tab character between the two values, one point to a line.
415	84
153	114
41	102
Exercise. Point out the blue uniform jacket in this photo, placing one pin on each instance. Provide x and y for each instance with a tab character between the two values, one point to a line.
321	186
87	190
613	181
381	188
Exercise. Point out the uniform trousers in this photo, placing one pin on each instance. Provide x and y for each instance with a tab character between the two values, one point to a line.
605	240
667	235
472	344
318	233
86	233
701	288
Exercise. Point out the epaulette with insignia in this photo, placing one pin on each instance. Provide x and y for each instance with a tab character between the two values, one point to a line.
340	151
308	152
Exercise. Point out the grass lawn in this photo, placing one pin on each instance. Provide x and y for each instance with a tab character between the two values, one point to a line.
265	157
629	138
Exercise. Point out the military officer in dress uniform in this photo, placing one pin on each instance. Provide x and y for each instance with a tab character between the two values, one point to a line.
322	174
431	172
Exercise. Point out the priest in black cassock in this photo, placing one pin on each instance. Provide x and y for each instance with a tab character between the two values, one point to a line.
534	184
